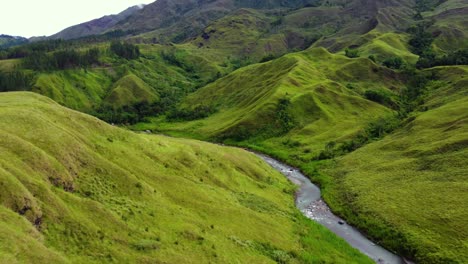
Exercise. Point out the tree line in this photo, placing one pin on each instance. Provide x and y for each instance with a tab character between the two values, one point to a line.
59	60
16	81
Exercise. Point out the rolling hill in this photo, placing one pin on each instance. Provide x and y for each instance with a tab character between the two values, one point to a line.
414	180
368	98
75	189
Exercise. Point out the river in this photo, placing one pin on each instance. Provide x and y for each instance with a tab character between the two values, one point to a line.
308	200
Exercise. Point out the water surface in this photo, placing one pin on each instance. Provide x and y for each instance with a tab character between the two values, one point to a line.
308	200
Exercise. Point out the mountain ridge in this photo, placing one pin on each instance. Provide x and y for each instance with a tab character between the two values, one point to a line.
96	26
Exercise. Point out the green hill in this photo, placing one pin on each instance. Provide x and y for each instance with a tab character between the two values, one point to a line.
299	105
306	98
367	97
75	189
130	90
414	181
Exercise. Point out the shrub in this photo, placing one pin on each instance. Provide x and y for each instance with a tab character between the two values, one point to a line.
393	63
352	53
381	97
198	112
125	50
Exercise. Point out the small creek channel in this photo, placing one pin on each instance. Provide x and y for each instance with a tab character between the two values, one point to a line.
308	200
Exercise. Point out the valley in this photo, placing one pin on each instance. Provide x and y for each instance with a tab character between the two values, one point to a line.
108	127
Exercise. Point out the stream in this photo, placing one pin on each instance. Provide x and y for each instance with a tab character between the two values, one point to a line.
308	200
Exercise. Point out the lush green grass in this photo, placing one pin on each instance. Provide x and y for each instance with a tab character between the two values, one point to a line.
324	94
8	65
78	89
422	218
75	189
130	90
413	182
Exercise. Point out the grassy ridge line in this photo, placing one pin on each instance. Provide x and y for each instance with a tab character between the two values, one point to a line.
98	193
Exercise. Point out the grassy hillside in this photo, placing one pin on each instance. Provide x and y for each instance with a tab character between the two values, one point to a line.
304	99
130	90
449	25
299	105
414	181
77	190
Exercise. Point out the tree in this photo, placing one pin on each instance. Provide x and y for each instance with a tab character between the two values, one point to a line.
125	50
393	62
352	53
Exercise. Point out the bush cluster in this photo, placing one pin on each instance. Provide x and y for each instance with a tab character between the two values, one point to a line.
59	60
125	50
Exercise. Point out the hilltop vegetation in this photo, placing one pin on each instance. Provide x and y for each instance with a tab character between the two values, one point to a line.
75	189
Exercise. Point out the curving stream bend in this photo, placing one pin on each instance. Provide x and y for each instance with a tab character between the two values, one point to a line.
308	200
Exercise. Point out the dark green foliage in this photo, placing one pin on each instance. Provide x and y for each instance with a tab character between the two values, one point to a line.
277	22
352	53
172	58
421	40
393	63
416	84
198	112
268	57
59	60
130	114
374	130
41	46
15	81
382	126
427	5
459	57
284	121
382	97
238	63
409	99
125	50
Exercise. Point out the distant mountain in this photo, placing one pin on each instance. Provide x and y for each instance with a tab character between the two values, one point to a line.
96	26
183	19
7	41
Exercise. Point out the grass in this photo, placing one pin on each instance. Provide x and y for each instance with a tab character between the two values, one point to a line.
324	94
413	181
8	65
85	191
422	218
129	90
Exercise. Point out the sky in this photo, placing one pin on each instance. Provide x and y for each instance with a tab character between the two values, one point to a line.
29	18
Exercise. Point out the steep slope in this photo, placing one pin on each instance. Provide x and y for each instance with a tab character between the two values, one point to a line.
415	181
309	98
130	90
299	105
182	19
96	26
76	190
450	23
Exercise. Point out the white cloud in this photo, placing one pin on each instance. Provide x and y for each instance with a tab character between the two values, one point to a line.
29	18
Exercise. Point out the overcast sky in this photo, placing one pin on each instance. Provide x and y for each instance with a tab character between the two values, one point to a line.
29	18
